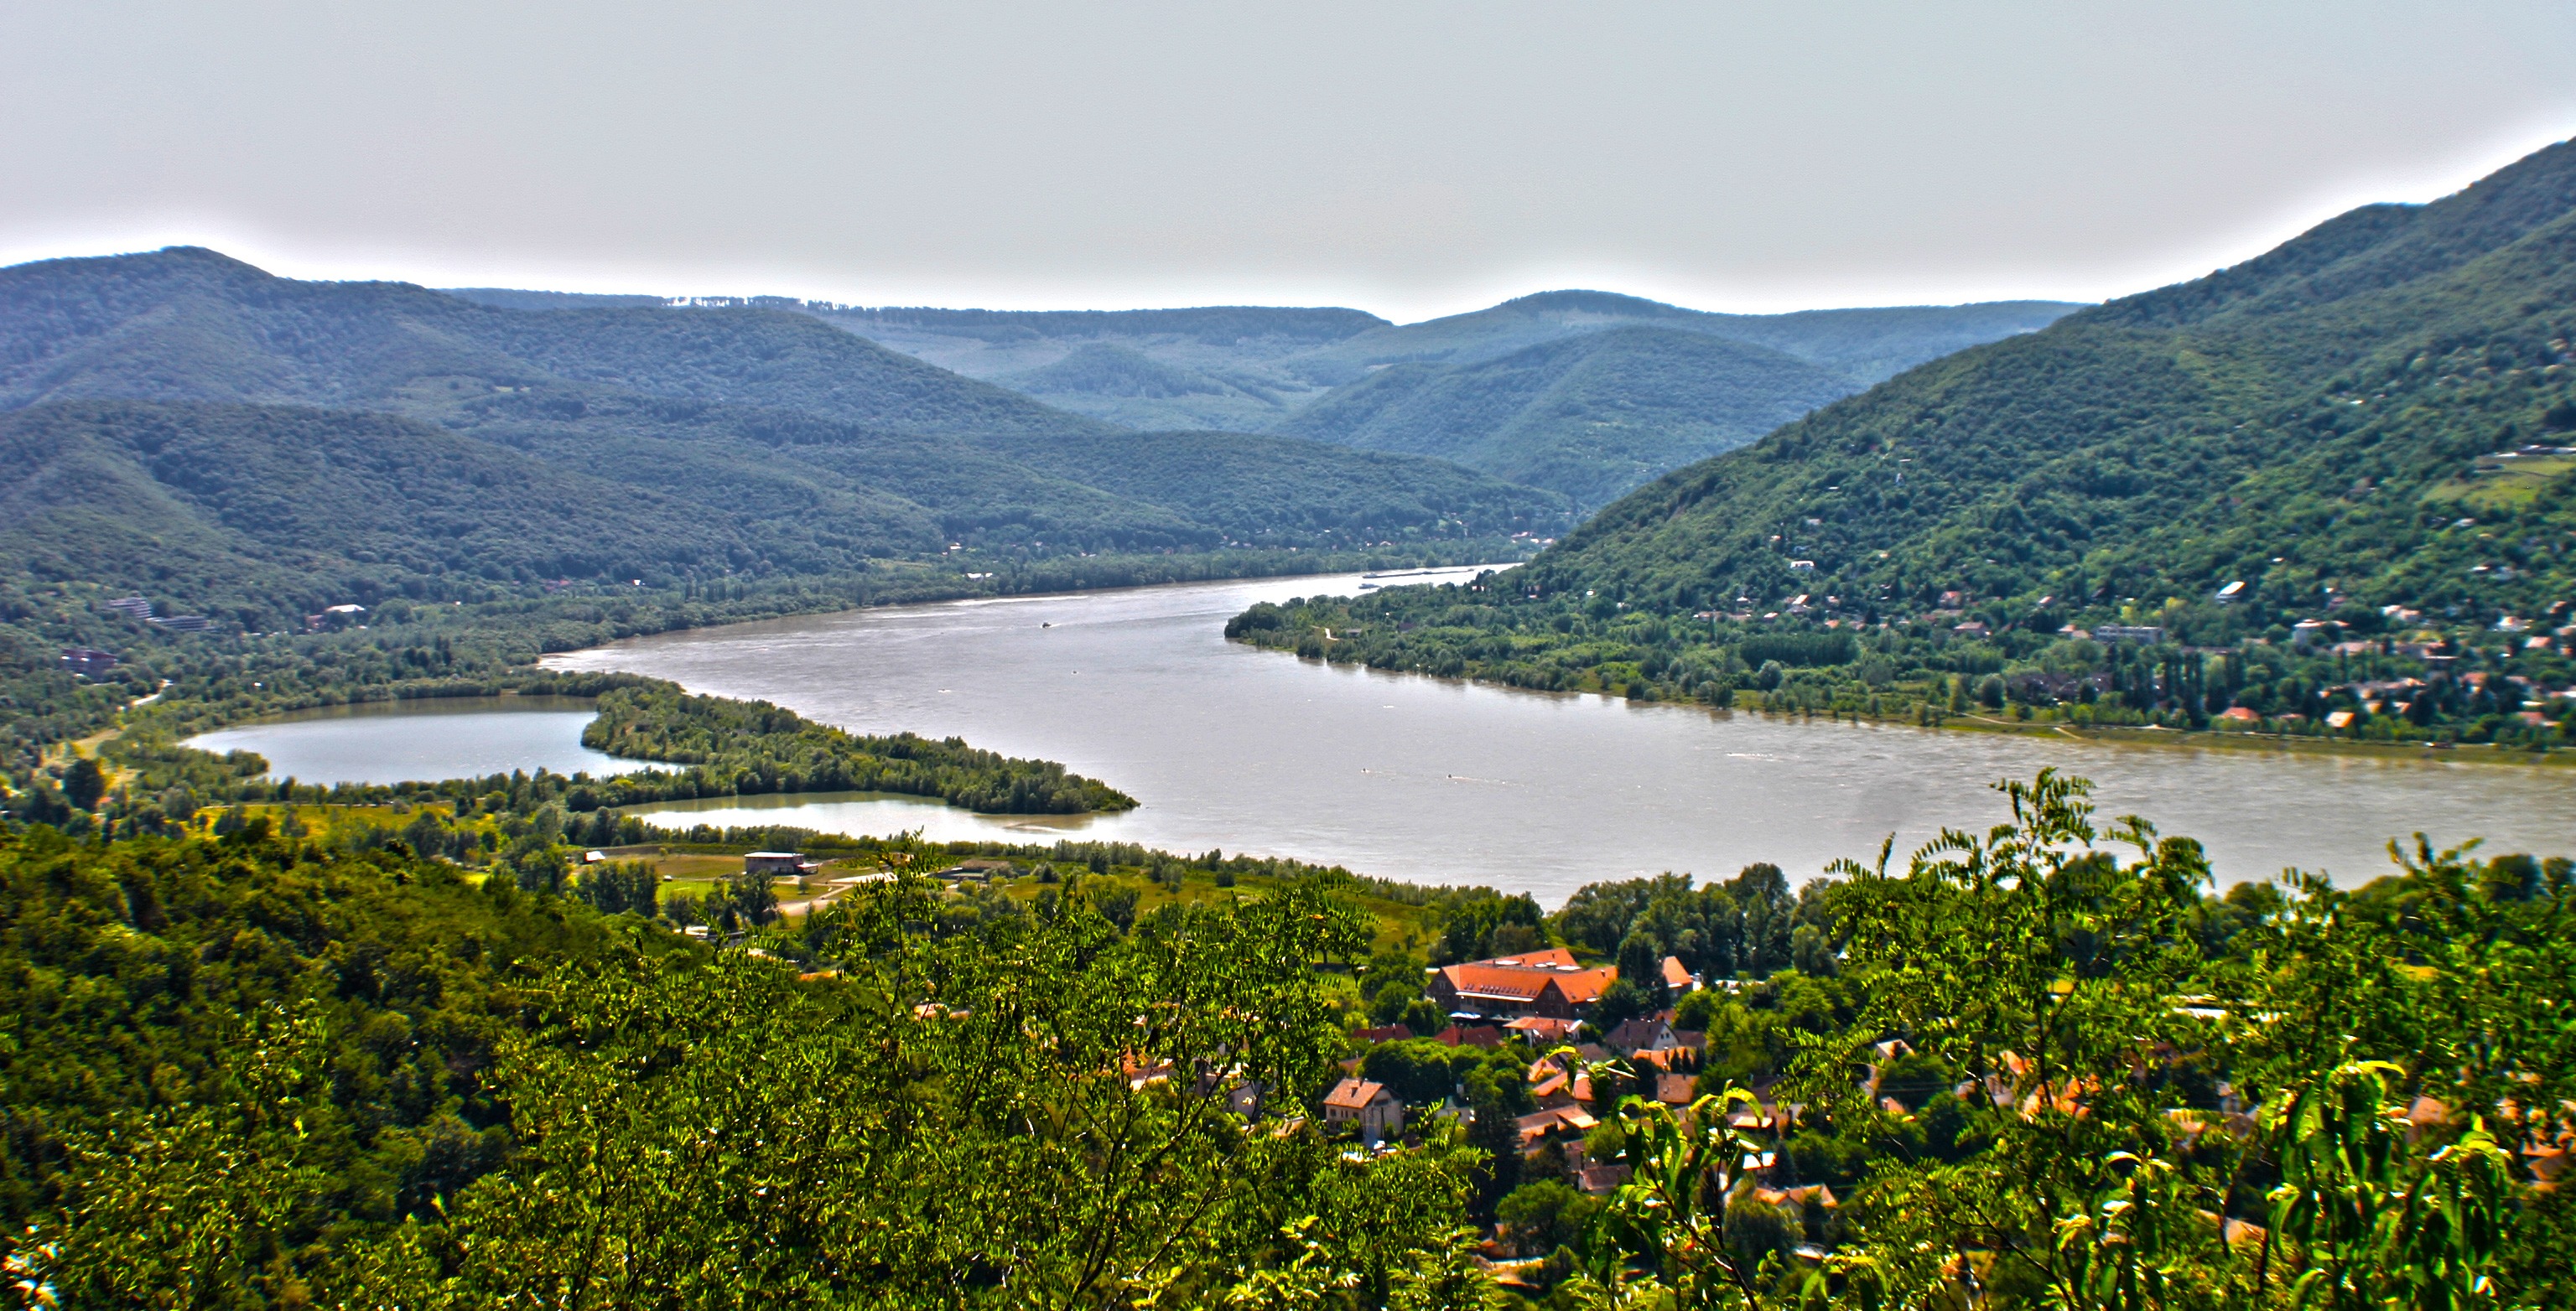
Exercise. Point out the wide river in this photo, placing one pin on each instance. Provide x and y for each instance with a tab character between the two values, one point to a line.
1423	779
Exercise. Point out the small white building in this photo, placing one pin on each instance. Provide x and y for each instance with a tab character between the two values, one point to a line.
1369	1105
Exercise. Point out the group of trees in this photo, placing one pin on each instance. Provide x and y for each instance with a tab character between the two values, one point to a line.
265	1069
2466	685
754	747
364	1081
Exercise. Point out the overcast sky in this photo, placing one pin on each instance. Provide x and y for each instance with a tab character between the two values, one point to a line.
1409	159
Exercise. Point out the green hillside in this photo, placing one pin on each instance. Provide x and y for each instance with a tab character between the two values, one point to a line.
1590	416
2358	425
211	503
1121	384
2323	406
803	447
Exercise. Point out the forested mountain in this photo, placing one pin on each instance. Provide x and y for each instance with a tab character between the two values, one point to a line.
1590	416
187	422
2310	422
2323	492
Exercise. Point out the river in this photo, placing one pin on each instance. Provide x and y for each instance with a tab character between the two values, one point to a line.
1442	782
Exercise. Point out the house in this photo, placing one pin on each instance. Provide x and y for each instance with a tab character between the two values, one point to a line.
1646	1033
978	870
1368	1105
1598	1180
1556	1081
1677	977
1539	1126
780	864
1543	1030
2149	634
88	660
1469	1035
1547	983
1668	1060
1244	1099
1673	1089
1386	1033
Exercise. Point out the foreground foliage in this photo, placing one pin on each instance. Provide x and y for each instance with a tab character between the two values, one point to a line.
2042	1064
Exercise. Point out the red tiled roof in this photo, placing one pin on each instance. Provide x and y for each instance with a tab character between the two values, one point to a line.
1559	957
1482	1035
1353	1094
1505	982
1540	1125
1676	974
1584	987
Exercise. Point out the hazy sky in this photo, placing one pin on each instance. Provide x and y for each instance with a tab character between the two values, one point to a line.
1410	159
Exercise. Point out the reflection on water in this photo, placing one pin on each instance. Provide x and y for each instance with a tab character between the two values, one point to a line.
865	812
1445	782
444	737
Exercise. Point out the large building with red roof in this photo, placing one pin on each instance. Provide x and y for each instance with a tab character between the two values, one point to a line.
1547	983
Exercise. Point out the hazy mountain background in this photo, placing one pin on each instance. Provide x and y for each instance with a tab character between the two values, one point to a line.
1505	390
1585	393
184	422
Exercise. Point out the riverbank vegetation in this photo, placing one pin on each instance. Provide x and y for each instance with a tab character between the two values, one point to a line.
2041	1064
2382	679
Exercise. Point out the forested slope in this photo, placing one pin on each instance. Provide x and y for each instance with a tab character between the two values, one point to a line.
1589	416
835	447
2305	421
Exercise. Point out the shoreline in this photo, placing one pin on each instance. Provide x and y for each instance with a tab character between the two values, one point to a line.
2459	753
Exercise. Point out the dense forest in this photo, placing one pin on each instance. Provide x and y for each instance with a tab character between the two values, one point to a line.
2327	482
2038	1064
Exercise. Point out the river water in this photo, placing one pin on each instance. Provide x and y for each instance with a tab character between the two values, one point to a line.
406	741
1443	782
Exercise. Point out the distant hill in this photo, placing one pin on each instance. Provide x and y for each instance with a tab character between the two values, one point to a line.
1228	366
1124	385
506	299
1590	421
187	408
1864	345
2312	423
1590	416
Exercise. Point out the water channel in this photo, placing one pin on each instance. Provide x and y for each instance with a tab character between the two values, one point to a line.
1435	781
1401	775
398	741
